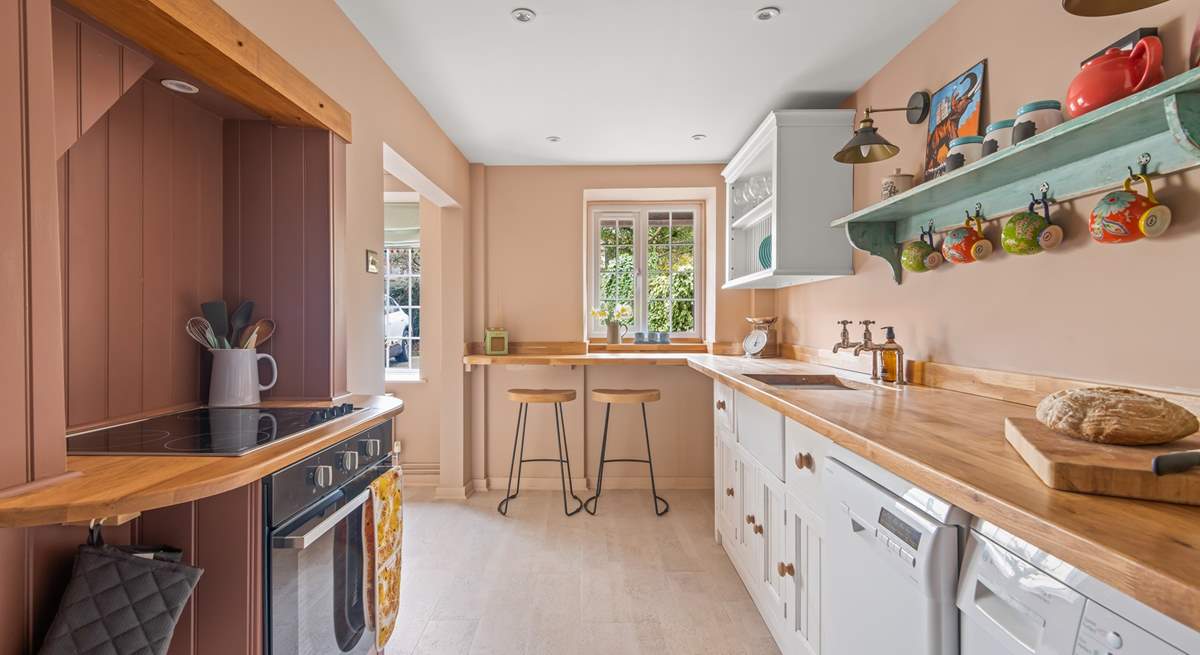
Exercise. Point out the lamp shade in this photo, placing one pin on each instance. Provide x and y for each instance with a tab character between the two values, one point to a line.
866	146
1106	7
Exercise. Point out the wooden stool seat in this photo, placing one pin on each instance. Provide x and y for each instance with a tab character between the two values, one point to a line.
541	395
626	396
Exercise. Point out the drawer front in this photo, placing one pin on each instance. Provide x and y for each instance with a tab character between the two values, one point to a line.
723	407
760	431
804	458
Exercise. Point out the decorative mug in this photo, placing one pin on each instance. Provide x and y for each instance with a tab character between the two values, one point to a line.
895	183
966	244
921	255
1029	233
1125	215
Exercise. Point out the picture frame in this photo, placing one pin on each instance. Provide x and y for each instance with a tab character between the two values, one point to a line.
372	261
956	110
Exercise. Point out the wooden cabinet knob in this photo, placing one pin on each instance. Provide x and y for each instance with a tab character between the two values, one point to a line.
729	491
749	519
804	461
721	405
786	569
758	529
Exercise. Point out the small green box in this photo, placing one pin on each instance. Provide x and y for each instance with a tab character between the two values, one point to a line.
495	341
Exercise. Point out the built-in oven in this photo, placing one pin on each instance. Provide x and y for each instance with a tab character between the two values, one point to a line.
317	591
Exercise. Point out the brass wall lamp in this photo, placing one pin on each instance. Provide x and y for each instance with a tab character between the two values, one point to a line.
867	145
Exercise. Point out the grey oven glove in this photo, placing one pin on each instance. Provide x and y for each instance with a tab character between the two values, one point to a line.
121	601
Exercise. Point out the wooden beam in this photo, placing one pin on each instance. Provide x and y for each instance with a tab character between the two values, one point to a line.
204	40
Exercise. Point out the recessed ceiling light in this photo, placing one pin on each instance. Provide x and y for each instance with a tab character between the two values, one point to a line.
554	139
699	137
766	13
523	15
179	86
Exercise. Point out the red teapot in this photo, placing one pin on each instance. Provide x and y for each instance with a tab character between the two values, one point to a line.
1114	75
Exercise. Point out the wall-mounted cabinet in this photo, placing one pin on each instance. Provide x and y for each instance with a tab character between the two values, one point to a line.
782	188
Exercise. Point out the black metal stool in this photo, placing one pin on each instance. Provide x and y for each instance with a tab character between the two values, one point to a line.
525	397
626	397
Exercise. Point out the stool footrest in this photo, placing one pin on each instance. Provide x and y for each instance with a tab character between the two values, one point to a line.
632	461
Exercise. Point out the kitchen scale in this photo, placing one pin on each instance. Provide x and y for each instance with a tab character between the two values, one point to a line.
761	343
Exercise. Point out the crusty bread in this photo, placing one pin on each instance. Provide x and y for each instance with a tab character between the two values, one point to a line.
1113	415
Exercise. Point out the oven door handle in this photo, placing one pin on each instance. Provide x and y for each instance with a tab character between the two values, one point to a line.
310	536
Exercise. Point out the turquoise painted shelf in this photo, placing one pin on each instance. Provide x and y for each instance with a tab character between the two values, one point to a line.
1079	157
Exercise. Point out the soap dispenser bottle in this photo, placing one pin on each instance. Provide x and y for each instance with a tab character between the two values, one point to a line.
889	355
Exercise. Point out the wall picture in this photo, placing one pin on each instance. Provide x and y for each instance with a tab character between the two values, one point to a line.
955	111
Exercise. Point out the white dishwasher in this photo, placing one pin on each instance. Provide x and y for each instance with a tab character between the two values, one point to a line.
892	566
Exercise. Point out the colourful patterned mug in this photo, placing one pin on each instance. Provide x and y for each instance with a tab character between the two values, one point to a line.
1125	215
1029	233
921	255
966	244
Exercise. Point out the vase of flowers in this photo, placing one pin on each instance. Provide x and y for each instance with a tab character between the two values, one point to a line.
614	320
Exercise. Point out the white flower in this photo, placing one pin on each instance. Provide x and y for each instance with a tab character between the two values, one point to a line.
600	314
623	312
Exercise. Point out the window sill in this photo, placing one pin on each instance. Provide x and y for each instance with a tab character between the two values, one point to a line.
402	375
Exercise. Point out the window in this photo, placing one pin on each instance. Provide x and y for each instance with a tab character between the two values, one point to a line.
402	307
645	257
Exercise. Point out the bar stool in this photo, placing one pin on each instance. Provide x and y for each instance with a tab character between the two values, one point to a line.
525	397
626	397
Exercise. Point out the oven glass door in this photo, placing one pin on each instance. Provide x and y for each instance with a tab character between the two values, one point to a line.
318	601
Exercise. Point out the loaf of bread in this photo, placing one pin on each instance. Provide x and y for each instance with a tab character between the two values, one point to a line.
1112	415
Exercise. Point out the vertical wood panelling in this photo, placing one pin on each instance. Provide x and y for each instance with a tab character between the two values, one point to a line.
317	289
158	272
281	210
185	218
87	281
99	76
124	168
176	526
230	593
287	261
340	271
66	80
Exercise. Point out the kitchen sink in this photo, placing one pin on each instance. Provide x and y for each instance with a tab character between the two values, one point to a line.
803	382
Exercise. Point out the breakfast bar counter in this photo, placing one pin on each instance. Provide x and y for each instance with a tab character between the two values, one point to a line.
97	486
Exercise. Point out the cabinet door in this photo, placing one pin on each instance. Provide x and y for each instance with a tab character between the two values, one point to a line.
771	535
728	496
802	589
746	495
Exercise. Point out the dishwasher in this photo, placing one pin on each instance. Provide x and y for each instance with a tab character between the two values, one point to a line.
892	566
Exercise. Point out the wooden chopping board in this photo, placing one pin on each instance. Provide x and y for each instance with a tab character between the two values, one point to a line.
1075	465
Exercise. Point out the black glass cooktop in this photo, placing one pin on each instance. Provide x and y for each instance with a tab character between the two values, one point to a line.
221	431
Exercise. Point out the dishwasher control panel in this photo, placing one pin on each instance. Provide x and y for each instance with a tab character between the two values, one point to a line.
1102	632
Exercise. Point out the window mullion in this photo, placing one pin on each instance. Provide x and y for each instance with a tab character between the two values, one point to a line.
640	234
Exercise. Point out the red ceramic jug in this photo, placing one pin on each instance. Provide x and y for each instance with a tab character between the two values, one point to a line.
1114	75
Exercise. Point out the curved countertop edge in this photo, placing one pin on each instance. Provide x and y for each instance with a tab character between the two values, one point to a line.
1148	550
97	486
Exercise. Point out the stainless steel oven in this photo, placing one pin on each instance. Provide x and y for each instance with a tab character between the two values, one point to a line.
316	584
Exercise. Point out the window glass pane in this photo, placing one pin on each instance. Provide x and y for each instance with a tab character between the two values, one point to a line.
416	291
658	258
617	287
658	316
683	287
608	258
608	233
660	227
415	257
414	319
625	234
398	290
682	259
397	262
682	318
681	227
623	260
658	285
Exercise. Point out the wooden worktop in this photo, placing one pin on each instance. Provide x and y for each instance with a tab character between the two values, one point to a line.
98	486
953	445
582	359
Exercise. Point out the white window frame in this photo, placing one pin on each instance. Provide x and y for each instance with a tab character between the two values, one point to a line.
406	373
640	214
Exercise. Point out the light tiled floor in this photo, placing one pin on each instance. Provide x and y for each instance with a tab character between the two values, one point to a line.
622	582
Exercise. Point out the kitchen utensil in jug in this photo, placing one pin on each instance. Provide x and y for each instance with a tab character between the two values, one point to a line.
235	377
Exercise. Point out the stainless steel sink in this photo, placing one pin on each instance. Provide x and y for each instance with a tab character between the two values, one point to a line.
802	382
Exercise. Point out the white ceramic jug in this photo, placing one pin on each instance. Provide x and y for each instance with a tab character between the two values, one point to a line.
235	377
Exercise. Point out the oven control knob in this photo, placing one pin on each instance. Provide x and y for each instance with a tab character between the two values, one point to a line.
315	417
348	460
371	447
322	476
347	408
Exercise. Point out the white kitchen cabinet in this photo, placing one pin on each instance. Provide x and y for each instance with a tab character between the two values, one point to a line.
747	488
804	458
784	238
771	535
802	588
728	497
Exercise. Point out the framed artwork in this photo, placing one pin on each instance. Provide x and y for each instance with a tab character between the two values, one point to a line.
372	261
955	110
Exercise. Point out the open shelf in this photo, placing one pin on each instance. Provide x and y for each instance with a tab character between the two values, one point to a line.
1079	157
760	211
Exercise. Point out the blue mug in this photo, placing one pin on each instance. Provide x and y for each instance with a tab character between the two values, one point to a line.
639	337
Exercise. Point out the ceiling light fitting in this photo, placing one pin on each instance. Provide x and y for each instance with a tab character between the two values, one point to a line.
766	13
868	145
699	137
554	139
523	15
179	86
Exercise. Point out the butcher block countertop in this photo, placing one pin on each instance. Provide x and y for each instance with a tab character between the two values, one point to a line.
952	444
97	486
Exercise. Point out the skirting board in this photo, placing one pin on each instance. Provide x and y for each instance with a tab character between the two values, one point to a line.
421	474
454	493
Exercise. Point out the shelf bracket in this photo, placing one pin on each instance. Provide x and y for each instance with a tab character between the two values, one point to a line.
1183	118
879	239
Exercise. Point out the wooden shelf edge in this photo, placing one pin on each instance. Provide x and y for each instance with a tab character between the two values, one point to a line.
206	41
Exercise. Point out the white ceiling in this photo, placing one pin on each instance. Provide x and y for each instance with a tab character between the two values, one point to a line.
629	81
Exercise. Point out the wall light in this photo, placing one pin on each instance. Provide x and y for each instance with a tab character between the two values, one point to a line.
868	145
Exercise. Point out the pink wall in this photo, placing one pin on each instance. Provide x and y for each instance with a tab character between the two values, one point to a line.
1107	313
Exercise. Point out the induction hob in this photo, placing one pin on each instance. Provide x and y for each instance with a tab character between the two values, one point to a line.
213	431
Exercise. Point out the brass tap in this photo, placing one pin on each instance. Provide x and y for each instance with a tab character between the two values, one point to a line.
867	345
845	343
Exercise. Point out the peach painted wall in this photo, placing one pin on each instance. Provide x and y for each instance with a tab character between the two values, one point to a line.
1106	313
